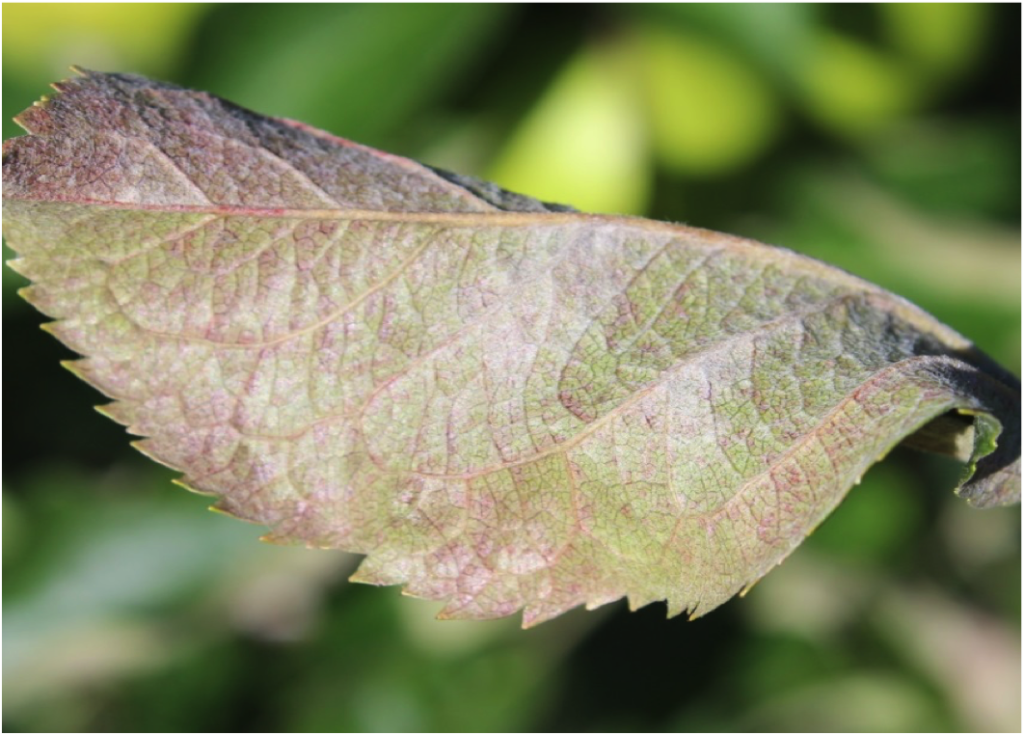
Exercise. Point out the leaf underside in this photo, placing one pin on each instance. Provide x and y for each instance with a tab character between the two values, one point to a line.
503	403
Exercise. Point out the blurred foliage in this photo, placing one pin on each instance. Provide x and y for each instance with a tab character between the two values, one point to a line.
884	139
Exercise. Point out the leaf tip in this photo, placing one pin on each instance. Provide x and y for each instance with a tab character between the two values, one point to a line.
444	614
674	609
359	578
267	538
27	292
34	120
453	611
72	366
532	617
145	447
117	412
183	483
991	473
218	508
694	612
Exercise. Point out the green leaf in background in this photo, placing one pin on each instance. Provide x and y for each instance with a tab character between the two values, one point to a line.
709	111
384	65
942	38
502	403
585	141
772	36
129	34
854	89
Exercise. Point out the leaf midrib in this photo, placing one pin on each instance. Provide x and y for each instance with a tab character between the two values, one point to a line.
501	218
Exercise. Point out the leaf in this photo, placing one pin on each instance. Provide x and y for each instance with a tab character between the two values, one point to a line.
417	53
505	404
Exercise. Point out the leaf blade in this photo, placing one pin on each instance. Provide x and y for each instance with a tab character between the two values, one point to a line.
530	409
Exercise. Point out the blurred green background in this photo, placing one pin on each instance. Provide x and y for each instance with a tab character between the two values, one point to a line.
883	139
